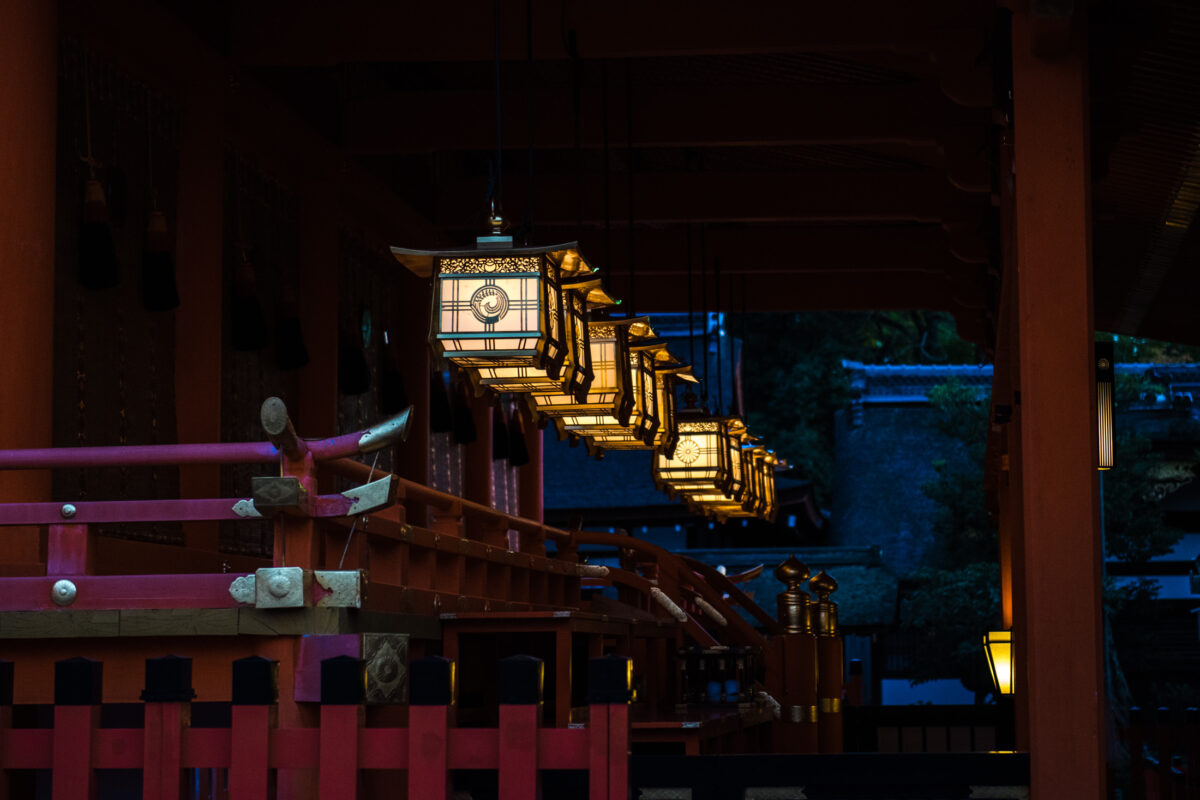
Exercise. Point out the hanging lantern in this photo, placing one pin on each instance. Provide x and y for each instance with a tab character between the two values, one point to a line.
499	306
579	295
632	395
732	497
610	392
700	464
660	431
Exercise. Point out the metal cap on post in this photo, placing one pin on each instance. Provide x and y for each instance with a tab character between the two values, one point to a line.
793	602
255	681
343	681
521	680
168	680
824	609
610	679
78	682
431	681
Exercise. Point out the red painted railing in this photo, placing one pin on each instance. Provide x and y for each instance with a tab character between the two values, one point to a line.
428	749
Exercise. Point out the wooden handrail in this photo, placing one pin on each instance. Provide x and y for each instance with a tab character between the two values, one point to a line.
643	586
356	470
680	573
729	587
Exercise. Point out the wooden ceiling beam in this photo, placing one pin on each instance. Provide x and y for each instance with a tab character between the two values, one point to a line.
764	249
312	32
759	116
746	197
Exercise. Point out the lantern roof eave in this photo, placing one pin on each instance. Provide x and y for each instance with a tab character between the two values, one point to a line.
420	262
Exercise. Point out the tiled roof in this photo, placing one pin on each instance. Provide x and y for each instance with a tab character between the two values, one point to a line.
573	479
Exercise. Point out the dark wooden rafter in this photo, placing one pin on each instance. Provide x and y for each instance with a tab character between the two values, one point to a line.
776	249
698	116
681	197
309	33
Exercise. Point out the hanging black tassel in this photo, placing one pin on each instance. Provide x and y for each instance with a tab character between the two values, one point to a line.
249	326
441	418
499	433
98	268
518	451
354	375
393	396
465	431
159	290
290	352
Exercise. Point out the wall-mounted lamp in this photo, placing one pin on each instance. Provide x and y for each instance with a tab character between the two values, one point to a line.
1105	381
999	649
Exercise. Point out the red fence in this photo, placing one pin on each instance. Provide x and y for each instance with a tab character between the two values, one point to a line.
251	748
1164	754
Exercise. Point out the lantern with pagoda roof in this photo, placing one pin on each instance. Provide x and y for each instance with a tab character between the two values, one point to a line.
500	307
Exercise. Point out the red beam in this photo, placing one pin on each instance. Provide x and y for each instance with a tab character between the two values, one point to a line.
121	591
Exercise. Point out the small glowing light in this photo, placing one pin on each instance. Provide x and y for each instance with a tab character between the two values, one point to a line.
998	646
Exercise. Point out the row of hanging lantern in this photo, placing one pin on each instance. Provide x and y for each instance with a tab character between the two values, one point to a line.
519	320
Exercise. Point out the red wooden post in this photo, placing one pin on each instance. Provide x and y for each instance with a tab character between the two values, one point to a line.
342	684
297	543
618	751
68	548
431	696
521	682
610	685
77	698
1058	629
255	692
167	695
28	48
6	700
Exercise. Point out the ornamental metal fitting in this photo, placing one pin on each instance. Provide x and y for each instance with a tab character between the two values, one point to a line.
387	433
344	587
280	587
371	496
68	510
63	592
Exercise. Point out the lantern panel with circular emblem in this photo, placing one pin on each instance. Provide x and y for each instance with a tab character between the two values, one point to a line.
496	305
700	461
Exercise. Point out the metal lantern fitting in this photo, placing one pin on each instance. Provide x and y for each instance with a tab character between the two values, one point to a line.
499	306
999	649
659	432
1105	381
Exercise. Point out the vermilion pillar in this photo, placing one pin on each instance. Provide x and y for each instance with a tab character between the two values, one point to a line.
477	456
199	253
1059	634
530	475
28	118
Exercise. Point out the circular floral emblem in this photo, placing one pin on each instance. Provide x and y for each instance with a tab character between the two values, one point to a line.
687	451
489	304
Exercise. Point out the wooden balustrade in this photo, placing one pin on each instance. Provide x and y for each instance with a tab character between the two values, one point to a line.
340	749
